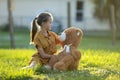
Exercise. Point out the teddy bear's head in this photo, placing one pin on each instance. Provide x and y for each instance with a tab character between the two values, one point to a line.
71	36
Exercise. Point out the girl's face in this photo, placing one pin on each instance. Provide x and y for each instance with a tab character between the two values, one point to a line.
48	25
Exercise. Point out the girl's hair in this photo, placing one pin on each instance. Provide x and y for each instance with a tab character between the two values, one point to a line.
37	22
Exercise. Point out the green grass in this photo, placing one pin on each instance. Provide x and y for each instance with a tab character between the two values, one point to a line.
94	65
100	59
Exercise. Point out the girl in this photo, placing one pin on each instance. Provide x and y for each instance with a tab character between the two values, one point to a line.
45	41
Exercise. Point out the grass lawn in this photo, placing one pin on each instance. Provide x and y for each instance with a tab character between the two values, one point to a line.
100	60
94	65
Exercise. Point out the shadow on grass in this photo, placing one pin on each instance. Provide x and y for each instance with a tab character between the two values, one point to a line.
86	74
24	77
67	75
90	73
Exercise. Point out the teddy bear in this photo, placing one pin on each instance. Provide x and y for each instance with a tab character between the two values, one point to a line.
68	58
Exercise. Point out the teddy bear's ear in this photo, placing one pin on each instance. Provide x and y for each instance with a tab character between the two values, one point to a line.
78	33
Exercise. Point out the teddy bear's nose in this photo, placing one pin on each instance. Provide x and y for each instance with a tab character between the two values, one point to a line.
62	37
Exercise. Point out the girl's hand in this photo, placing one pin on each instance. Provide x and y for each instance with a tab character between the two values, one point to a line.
43	55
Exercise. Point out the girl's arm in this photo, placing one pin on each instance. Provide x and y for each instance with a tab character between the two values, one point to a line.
42	53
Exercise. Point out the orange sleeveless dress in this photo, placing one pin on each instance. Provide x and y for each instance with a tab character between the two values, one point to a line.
47	43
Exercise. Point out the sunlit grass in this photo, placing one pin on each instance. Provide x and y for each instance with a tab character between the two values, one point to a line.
94	65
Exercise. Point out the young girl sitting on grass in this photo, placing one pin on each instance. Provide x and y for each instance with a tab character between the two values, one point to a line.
44	40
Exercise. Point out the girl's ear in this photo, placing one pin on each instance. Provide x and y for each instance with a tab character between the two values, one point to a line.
43	23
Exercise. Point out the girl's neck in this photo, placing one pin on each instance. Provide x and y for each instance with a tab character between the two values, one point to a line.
44	32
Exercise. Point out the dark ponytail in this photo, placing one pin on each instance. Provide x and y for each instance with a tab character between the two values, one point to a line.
33	30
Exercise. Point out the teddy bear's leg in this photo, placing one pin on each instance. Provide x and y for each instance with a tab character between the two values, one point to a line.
74	66
59	66
64	64
52	61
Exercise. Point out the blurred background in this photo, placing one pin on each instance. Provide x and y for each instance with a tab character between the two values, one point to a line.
99	20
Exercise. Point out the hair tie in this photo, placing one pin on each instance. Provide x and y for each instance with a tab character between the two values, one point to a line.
38	26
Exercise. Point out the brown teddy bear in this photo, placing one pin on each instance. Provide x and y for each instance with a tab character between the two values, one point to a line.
68	58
